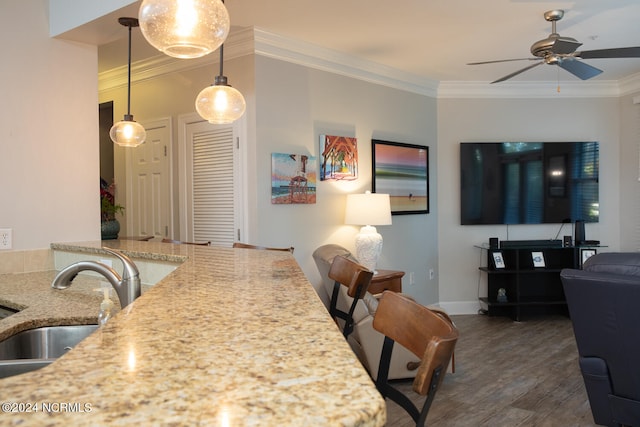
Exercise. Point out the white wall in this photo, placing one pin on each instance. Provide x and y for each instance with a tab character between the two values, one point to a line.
66	15
584	119
629	173
294	105
49	187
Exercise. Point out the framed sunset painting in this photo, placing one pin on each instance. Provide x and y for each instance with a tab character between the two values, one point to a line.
402	171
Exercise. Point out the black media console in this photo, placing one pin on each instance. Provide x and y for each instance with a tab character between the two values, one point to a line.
523	277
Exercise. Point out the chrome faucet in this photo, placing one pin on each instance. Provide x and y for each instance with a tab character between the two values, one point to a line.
127	287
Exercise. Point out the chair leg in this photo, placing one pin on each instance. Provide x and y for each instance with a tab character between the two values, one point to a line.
433	387
334	300
335	313
386	389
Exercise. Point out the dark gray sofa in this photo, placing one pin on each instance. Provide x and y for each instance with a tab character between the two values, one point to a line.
604	305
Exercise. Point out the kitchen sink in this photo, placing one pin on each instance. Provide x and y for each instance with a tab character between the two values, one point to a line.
9	368
35	348
7	311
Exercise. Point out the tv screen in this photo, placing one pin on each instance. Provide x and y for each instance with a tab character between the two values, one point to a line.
528	182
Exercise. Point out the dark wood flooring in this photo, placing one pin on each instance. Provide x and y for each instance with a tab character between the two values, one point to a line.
508	374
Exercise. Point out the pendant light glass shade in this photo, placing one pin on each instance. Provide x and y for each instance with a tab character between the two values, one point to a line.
184	28
128	133
220	103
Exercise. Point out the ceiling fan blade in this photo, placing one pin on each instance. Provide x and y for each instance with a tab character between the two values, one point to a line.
502	60
579	68
563	46
620	52
507	77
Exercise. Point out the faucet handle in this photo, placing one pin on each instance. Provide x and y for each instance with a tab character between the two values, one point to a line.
130	269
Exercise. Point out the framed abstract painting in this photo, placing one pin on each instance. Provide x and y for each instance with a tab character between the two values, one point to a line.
402	171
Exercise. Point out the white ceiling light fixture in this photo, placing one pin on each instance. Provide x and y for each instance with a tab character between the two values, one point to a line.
220	103
184	28
128	133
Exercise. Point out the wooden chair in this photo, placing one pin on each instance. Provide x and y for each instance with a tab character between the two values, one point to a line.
427	335
356	278
179	242
247	246
446	317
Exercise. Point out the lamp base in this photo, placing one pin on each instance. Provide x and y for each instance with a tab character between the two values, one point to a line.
368	247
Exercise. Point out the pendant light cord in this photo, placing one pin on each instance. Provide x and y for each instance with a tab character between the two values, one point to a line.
129	77
221	55
221	58
129	23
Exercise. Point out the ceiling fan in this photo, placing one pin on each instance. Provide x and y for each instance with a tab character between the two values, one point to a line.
561	51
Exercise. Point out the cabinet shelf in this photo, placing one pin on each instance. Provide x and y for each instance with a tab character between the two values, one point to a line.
538	301
523	271
530	289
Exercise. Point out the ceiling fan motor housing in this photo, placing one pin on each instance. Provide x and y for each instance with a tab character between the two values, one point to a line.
554	44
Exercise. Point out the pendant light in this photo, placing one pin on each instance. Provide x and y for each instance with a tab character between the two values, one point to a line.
184	28
220	103
128	133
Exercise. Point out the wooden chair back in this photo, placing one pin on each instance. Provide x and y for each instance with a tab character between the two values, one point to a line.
357	279
266	248
429	335
352	275
180	242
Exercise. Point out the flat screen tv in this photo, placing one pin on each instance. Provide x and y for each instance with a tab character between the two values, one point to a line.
528	182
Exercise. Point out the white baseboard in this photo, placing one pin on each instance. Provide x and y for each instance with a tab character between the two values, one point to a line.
460	307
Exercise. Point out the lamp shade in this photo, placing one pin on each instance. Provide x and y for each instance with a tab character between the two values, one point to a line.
184	28
220	104
368	209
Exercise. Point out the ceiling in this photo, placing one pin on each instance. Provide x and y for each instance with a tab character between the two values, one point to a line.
432	39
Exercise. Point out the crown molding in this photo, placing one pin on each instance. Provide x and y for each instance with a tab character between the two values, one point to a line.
238	44
630	85
309	55
549	89
252	40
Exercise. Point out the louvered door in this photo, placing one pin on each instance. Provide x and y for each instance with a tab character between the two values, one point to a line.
211	174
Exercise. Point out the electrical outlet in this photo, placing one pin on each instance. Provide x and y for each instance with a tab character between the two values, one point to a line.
5	238
412	278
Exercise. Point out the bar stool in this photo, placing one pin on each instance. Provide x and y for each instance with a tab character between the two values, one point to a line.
247	246
357	279
427	335
180	242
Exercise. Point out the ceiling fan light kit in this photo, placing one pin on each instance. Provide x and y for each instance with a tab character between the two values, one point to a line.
562	51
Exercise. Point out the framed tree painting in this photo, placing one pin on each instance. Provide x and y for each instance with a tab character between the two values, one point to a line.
402	171
338	158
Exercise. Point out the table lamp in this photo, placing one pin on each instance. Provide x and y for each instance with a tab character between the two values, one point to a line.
368	209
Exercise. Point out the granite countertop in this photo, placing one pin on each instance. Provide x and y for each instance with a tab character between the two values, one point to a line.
40	305
231	337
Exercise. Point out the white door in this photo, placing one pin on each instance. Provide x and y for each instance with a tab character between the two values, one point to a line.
211	195
149	206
